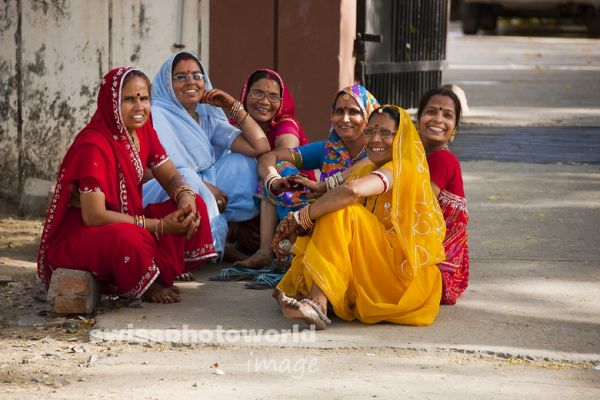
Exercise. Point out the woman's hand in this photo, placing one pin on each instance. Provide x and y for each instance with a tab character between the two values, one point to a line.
286	230
182	221
285	184
187	201
218	98
314	189
220	196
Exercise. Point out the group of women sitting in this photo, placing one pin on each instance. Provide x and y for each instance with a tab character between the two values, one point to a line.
374	216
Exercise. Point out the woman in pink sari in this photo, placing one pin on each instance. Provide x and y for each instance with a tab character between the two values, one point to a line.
270	103
437	118
96	221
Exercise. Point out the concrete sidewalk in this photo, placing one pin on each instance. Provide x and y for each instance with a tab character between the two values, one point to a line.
534	289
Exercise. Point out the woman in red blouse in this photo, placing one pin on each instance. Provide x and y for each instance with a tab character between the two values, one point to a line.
437	119
96	221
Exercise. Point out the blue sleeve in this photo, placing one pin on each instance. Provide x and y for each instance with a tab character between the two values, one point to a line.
312	155
221	133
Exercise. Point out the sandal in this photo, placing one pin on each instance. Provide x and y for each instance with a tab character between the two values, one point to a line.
264	281
185	277
315	306
237	274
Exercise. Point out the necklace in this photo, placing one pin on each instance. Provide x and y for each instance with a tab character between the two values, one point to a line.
353	160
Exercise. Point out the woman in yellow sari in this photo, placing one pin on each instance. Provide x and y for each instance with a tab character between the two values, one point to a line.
373	248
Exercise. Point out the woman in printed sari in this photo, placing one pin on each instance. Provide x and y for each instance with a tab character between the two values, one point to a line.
216	158
351	108
437	118
96	221
370	247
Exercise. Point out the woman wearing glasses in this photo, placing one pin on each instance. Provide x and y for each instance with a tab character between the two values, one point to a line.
216	158
268	100
369	247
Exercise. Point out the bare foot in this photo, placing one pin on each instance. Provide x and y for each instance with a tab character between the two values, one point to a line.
260	259
185	277
232	254
175	293
157	293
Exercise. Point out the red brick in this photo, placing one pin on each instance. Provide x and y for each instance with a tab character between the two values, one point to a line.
73	292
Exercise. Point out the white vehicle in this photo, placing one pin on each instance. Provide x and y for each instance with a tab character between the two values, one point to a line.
476	14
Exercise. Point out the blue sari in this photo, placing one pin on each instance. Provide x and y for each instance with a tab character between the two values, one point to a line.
202	153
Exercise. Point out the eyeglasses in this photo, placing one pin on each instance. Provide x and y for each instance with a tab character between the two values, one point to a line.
383	133
182	77
259	95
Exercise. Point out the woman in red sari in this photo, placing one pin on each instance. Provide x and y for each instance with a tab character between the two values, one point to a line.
437	118
96	221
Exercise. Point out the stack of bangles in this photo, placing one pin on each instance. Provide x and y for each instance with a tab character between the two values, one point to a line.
269	179
139	220
333	181
302	217
180	191
235	110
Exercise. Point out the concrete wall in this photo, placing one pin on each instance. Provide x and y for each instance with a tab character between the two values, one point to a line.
312	50
52	57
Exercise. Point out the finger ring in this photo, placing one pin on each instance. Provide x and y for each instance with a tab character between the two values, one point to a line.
285	245
219	202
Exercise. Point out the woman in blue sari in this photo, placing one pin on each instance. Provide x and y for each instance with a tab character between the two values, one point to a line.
217	159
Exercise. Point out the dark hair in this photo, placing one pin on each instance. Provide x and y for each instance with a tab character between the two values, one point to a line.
442	91
185	56
262	74
139	74
392	112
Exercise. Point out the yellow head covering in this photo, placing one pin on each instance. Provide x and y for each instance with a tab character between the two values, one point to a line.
416	214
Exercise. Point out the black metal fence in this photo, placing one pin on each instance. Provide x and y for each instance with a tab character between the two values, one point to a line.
410	58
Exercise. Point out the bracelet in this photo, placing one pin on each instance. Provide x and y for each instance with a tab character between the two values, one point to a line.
269	179
158	222
383	178
139	220
180	191
304	217
333	181
243	121
297	157
235	109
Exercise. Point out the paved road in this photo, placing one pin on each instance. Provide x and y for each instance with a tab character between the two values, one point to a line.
515	80
535	262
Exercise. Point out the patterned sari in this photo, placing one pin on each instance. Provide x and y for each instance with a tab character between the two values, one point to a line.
329	157
124	257
377	261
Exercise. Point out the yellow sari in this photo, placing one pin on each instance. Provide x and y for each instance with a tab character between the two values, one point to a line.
377	261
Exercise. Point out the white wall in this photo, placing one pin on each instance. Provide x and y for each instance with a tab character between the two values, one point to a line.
51	65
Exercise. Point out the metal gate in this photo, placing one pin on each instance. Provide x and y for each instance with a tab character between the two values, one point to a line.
400	48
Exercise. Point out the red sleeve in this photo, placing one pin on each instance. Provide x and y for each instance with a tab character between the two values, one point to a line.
444	171
152	151
286	126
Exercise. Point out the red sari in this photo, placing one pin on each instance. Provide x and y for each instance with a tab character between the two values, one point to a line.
445	172
125	258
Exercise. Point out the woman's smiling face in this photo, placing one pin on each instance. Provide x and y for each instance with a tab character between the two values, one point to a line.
190	91
347	118
379	135
437	123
